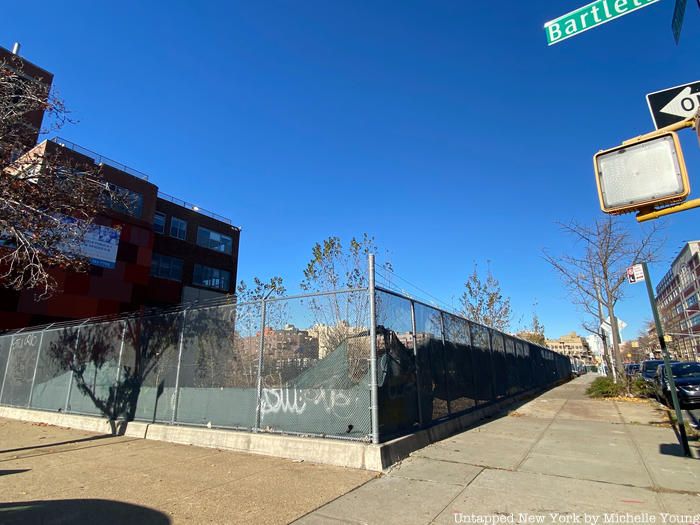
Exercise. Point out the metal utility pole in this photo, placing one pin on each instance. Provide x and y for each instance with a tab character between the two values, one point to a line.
667	363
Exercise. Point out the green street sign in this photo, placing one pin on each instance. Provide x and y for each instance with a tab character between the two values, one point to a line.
590	16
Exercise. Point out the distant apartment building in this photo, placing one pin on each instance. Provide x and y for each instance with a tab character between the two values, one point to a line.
573	346
328	336
290	345
677	301
158	251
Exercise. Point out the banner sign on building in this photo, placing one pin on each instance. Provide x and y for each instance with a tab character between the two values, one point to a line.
100	245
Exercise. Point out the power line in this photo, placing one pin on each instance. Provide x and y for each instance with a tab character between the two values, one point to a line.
428	294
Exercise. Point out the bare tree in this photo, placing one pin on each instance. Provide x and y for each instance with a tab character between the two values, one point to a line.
483	302
47	201
594	271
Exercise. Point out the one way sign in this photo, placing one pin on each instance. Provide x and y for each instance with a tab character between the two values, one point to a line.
674	104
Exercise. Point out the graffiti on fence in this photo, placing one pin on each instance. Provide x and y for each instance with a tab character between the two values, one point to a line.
296	401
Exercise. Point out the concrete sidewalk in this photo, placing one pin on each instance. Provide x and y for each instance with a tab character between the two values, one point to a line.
561	458
52	475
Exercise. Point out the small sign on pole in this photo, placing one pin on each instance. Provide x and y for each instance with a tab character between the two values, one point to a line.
677	22
635	273
589	16
674	104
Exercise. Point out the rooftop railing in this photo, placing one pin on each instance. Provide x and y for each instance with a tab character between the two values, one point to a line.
100	159
193	207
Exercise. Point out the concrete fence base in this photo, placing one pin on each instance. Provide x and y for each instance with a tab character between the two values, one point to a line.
351	454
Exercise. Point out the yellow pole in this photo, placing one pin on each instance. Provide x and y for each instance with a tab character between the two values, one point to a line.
655	214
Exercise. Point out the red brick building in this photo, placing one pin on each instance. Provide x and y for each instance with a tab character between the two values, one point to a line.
161	251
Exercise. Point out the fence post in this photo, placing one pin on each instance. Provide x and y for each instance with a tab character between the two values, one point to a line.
474	362
36	366
419	386
70	382
173	417
492	366
258	405
7	367
121	351
444	361
373	387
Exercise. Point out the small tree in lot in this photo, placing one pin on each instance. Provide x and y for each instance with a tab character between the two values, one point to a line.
535	331
483	301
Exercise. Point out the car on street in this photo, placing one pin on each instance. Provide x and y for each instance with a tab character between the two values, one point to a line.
648	368
686	375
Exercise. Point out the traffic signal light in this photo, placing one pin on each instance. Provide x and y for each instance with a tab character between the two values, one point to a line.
642	174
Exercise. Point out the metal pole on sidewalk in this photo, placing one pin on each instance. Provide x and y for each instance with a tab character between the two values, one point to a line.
667	363
374	389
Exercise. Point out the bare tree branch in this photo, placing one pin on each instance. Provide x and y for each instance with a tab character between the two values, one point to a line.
48	200
594	270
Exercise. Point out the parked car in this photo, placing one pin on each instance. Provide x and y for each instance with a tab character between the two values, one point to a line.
686	375
648	368
632	369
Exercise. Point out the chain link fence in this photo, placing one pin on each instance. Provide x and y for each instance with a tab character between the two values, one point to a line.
298	365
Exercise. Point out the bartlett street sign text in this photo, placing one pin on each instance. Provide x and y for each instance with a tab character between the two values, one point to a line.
590	16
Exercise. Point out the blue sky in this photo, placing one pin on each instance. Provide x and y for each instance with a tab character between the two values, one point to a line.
448	130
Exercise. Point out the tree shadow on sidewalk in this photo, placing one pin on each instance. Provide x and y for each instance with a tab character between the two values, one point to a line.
47	445
78	511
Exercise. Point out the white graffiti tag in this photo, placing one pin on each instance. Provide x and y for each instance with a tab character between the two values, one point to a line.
285	400
295	401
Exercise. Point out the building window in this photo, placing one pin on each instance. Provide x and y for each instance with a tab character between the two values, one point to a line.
124	201
695	321
159	222
214	241
178	228
692	301
211	277
166	267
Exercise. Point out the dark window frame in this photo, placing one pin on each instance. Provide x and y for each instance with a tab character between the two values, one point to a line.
165	221
173	220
